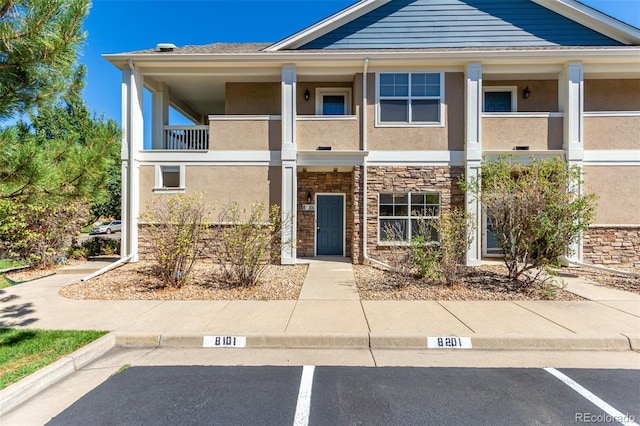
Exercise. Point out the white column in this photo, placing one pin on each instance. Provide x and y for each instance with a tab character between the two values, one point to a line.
132	143
159	115
473	154
289	172
572	105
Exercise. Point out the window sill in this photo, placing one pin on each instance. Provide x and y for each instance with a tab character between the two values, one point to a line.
169	190
435	125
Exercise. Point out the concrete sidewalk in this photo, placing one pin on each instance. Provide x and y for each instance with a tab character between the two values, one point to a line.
329	314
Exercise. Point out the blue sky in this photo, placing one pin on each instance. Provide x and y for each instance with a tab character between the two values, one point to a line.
116	26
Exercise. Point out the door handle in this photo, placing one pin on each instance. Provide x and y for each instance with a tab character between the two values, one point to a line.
318	229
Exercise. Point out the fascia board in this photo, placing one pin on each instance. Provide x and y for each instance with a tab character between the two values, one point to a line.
594	19
349	59
332	22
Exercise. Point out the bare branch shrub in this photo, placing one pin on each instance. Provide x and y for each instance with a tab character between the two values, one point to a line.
248	241
177	227
400	257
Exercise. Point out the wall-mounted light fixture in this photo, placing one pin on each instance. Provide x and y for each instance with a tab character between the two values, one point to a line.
526	92
309	196
307	95
335	171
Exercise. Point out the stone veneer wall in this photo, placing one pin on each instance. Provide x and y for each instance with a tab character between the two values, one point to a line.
145	245
322	183
442	179
610	246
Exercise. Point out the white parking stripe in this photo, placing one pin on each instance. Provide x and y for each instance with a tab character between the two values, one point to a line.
615	414
304	396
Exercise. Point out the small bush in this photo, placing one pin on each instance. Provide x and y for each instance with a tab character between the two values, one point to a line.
400	258
248	241
177	227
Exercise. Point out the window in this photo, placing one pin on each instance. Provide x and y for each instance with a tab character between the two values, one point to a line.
170	178
410	98
500	99
403	216
333	101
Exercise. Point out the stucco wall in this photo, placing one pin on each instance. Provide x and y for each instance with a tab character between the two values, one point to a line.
449	137
618	190
612	95
221	185
259	134
538	133
253	98
611	132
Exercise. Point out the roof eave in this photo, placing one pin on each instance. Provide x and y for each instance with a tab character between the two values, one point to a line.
594	19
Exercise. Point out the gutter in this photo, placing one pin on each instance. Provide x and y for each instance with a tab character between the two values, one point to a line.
365	192
568	262
107	268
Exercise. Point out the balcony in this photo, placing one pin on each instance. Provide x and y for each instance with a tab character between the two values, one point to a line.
185	138
611	130
341	133
540	131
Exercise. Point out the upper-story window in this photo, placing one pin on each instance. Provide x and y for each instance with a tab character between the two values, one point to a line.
410	98
333	101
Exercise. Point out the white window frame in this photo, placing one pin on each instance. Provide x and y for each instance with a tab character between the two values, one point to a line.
408	218
514	97
159	185
441	98
321	92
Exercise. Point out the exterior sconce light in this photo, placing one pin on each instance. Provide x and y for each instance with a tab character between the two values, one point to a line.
526	92
307	95
309	197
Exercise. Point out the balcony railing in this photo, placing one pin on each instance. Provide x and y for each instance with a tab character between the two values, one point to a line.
540	131
194	138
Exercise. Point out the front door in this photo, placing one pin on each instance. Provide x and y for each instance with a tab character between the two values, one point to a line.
330	225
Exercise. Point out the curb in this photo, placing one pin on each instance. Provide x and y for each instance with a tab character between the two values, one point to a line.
19	392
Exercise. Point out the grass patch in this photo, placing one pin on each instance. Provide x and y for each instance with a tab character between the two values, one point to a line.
11	263
23	351
4	283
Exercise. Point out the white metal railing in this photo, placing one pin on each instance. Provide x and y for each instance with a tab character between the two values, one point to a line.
186	137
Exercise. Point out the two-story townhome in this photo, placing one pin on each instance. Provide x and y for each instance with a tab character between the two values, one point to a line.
370	118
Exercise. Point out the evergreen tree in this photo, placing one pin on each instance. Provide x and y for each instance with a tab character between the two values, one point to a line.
63	152
38	44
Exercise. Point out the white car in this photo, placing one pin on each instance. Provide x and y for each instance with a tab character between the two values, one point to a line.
107	227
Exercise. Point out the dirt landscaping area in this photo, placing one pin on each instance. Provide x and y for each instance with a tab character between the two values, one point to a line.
139	282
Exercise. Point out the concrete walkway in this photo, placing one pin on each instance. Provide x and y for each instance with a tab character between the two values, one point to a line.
329	314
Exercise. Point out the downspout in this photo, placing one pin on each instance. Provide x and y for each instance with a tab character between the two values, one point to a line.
568	262
108	268
365	147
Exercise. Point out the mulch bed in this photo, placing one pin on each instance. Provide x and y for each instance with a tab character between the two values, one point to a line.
482	283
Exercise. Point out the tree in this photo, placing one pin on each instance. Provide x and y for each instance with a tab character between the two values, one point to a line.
61	154
537	217
59	158
38	44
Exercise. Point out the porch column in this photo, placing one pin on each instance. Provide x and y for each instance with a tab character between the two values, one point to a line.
289	173
159	115
473	154
571	103
132	143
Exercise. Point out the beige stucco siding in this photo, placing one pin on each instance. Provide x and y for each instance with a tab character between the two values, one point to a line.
255	134
612	95
221	184
543	96
253	98
611	132
618	190
339	134
447	137
538	133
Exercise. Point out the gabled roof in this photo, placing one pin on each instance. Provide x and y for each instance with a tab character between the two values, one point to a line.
462	23
206	49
